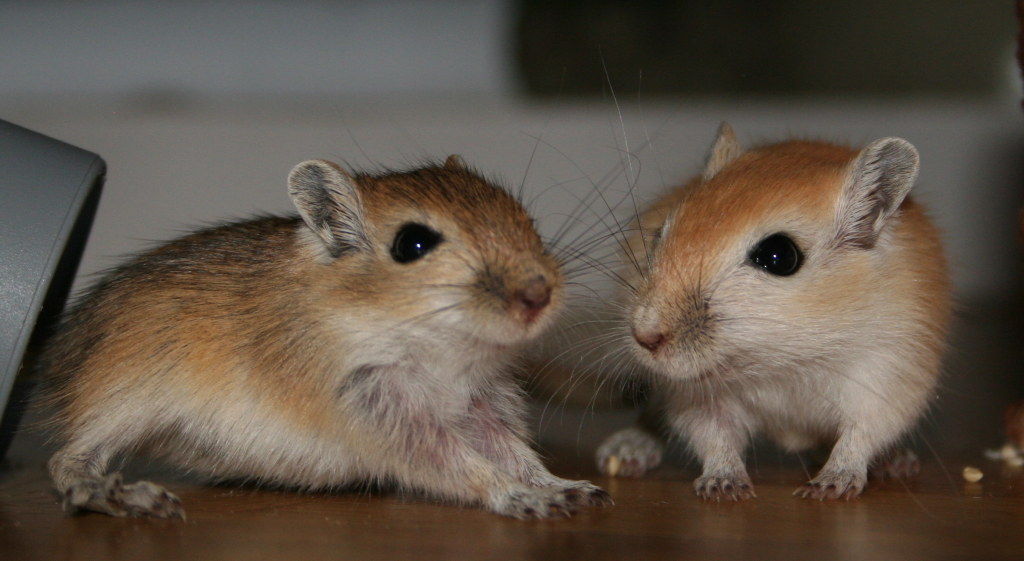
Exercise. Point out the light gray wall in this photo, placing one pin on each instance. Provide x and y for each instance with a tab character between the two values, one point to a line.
201	108
114	47
171	171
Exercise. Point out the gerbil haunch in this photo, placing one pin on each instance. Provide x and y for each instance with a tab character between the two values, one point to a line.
367	339
792	290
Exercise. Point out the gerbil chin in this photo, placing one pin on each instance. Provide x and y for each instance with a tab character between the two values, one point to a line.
793	290
366	340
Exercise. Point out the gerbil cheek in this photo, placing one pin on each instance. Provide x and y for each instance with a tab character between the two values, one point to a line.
445	282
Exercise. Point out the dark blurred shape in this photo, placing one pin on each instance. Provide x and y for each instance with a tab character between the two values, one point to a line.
786	47
1020	40
50	192
1014	420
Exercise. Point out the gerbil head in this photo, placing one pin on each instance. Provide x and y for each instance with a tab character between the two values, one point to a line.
432	252
770	255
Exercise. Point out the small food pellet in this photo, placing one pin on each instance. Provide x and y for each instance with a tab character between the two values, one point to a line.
612	465
972	474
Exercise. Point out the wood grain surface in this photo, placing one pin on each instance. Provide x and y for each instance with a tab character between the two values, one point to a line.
938	515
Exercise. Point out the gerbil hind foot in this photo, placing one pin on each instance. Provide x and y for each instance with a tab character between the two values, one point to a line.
724	486
833	485
630	452
111	496
548	502
900	463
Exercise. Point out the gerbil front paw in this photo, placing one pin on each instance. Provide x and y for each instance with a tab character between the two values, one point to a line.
730	487
841	485
542	502
111	496
629	453
584	493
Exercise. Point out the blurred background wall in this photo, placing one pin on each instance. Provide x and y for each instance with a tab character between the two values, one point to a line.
884	48
165	48
551	94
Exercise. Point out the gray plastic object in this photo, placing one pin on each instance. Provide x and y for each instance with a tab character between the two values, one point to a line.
49	192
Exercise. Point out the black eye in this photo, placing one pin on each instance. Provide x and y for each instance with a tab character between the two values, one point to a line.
412	242
777	254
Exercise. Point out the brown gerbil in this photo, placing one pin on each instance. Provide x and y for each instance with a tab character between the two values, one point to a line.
793	290
366	340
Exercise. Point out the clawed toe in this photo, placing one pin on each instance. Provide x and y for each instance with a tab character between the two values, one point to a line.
729	488
554	501
597	497
583	493
538	504
832	487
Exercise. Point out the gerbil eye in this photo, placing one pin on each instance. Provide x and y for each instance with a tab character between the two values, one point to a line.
412	242
777	254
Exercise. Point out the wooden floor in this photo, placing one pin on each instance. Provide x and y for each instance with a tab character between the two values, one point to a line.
936	516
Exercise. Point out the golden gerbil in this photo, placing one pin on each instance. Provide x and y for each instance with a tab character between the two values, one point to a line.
365	340
793	290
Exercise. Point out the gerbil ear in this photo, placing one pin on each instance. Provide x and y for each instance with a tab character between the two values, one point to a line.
454	163
878	181
724	150
328	202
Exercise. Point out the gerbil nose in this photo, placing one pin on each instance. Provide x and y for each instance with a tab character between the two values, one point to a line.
533	297
650	340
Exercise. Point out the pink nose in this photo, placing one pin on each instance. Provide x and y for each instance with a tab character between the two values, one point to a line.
650	340
533	297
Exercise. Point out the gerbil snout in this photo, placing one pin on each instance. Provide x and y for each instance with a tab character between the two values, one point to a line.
531	299
667	333
650	339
